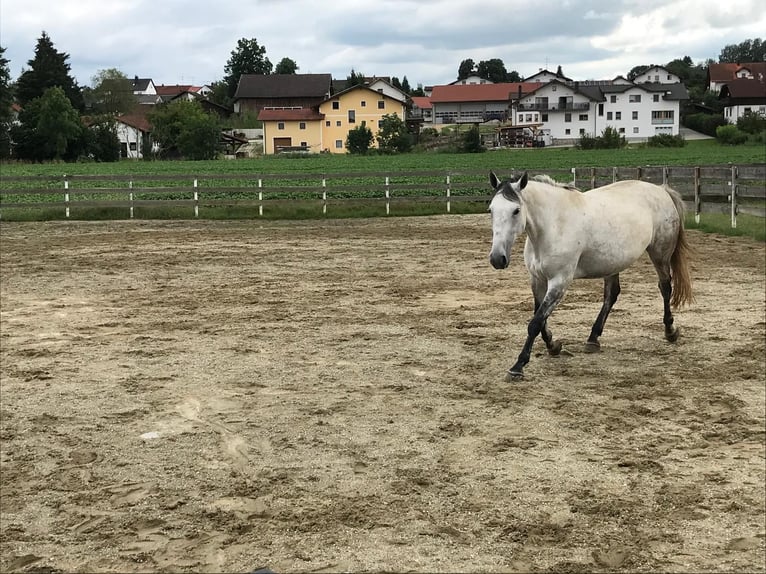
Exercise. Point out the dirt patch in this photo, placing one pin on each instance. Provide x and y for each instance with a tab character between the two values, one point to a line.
329	396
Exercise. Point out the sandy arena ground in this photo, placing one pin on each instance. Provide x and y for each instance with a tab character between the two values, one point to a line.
329	396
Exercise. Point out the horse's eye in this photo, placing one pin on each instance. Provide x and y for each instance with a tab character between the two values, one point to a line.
516	211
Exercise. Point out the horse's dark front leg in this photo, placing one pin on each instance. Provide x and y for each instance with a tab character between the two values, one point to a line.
535	327
554	347
671	332
611	292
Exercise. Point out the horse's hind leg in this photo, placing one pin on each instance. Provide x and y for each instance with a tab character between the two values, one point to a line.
666	289
611	292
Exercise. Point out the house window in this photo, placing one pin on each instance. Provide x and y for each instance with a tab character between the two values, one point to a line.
352	116
545	117
635	115
133	146
582	131
302	125
656	97
609	116
338	144
327	123
635	130
583	117
613	99
338	123
381	104
634	98
336	105
567	131
304	144
281	125
657	78
567	117
364	104
601	110
529	118
618	115
622	130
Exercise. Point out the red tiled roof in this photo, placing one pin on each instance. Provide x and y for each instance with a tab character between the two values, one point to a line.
481	92
164	90
137	121
726	72
423	102
300	114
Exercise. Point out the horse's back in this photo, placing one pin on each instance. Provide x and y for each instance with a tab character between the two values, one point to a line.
624	219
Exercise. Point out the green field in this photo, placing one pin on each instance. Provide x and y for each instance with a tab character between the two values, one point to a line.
698	152
539	160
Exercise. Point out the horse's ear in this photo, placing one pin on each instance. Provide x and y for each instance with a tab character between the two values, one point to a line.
493	181
523	181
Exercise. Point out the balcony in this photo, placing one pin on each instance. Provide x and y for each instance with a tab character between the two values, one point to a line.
552	107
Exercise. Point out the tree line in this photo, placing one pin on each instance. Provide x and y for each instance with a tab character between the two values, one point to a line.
60	120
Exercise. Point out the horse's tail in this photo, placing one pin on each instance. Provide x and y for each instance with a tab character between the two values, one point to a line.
680	259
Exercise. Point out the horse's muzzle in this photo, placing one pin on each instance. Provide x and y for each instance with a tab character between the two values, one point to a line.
498	260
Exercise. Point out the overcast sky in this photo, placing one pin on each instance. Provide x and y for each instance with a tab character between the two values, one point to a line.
189	42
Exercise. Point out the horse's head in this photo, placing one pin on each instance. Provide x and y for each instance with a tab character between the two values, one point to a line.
508	217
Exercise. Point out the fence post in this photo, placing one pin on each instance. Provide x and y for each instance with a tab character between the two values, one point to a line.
574	177
66	195
196	199
639	173
614	175
324	196
448	195
664	175
260	196
593	178
388	196
130	197
733	196
697	201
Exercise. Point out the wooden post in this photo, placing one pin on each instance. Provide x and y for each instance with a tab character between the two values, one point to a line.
324	196
196	199
388	197
593	178
448	195
733	196
66	196
574	176
664	175
697	200
130	197
614	175
260	196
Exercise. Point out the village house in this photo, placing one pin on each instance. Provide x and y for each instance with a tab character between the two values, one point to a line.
256	92
324	128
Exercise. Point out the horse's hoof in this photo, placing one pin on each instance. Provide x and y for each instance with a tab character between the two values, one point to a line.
672	336
554	349
512	376
592	347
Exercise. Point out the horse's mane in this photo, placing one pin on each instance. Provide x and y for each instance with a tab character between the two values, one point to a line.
542	178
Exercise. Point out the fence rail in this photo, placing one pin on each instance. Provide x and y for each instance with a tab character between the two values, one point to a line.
726	189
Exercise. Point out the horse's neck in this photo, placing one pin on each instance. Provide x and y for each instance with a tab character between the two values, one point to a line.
542	204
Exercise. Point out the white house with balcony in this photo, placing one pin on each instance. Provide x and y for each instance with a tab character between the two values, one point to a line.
637	110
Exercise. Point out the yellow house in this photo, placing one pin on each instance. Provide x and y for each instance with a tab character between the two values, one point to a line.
291	130
356	106
326	129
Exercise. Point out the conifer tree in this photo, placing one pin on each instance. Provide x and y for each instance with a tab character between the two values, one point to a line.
48	69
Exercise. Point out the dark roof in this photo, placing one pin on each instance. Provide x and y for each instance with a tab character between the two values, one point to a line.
287	115
140	84
744	88
283	86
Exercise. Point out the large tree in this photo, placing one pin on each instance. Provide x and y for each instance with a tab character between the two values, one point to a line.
492	70
49	68
6	101
466	68
184	130
286	66
49	128
247	58
111	92
748	51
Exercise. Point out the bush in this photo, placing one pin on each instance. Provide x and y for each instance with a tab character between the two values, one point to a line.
472	141
751	122
666	140
730	135
359	140
705	123
610	138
